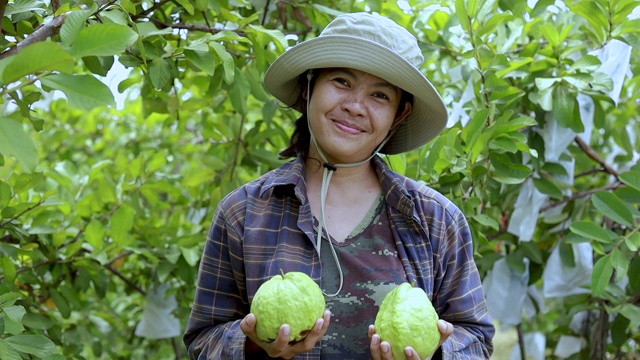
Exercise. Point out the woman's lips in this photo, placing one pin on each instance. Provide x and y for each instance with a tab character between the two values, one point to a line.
349	129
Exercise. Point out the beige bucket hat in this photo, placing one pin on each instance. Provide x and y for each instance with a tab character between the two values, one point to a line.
376	45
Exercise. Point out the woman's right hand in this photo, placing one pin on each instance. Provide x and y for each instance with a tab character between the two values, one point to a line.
281	347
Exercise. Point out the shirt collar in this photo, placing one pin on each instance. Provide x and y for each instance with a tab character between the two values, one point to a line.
291	174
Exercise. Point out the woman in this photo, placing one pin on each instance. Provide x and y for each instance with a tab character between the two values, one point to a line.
338	213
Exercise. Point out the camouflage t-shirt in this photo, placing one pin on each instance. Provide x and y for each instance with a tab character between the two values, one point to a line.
371	269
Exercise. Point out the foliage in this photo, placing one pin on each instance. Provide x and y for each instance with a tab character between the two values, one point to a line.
103	198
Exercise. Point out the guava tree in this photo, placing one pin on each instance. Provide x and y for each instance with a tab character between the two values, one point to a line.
124	123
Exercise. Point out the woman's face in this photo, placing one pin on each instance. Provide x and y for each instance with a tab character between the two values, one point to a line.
351	112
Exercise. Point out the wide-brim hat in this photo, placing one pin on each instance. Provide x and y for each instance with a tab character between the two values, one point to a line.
378	46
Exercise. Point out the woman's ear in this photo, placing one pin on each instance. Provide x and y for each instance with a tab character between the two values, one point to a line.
402	115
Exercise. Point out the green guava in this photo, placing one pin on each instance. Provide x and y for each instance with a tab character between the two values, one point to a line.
407	318
292	298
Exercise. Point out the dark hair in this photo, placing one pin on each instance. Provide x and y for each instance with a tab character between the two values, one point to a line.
301	137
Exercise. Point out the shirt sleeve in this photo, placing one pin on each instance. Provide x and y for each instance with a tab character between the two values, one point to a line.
213	330
459	296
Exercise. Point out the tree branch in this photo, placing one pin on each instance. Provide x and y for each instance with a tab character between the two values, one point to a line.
581	195
21	213
155	7
593	155
42	33
125	279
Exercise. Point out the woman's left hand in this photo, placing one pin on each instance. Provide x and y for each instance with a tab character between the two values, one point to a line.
382	350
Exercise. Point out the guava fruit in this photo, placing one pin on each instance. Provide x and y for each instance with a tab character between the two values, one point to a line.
407	318
292	298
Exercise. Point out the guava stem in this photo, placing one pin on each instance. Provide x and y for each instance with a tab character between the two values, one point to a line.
282	273
413	283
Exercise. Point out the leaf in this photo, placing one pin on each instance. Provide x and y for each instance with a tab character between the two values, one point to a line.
565	108
227	61
95	233
548	187
620	263
15	142
202	60
122	223
190	255
592	231
508	172
601	276
9	269
103	40
631	178
41	56
8	352
614	208
37	345
159	72
61	303
186	4
463	16
84	92
487	221
72	25
631	312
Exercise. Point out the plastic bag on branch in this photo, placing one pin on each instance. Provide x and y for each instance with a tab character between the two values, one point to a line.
534	347
506	291
562	280
526	209
158	321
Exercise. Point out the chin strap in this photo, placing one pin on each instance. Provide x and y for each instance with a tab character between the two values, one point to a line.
327	173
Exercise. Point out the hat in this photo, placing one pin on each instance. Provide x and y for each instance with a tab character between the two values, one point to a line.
378	46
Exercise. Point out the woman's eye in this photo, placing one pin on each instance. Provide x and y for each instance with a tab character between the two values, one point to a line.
341	81
381	96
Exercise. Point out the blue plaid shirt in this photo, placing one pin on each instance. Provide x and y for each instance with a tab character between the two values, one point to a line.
267	225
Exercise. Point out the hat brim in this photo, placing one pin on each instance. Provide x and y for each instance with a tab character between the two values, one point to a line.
429	114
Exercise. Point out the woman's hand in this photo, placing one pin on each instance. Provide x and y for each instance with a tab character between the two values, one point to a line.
382	350
281	347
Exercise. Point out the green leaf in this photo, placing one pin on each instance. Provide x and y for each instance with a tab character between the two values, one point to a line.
9	269
633	241
61	303
159	72
592	231
463	16
565	108
227	61
15	142
103	40
72	25
190	255
634	274
601	276
548	187
84	92
473	129
186	4
486	221
631	312
620	263
122	223
611	206
508	172
95	233
37	345
202	60
8	352
37	57
631	178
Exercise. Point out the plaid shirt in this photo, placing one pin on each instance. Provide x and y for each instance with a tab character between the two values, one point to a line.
267	225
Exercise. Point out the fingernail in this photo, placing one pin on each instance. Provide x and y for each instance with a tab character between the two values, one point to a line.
385	347
319	324
407	351
375	340
287	330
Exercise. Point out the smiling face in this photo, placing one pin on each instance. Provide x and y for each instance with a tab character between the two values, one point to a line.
351	113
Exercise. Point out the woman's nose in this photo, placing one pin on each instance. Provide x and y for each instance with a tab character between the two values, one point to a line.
354	103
